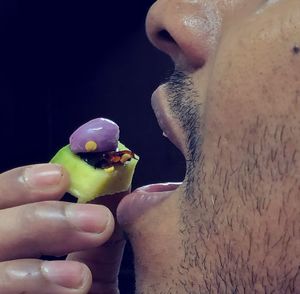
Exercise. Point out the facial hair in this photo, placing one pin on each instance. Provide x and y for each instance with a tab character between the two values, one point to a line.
183	104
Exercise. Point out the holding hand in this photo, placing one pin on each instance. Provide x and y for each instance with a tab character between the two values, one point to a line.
33	223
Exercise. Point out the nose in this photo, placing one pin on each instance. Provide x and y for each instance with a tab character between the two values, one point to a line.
184	29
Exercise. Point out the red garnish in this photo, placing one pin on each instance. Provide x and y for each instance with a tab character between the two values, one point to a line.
118	157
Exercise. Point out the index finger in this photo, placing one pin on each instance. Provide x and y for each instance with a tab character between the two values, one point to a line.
32	183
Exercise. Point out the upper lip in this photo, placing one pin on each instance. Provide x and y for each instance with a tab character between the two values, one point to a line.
166	120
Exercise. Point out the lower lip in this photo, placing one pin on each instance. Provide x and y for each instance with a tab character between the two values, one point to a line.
133	205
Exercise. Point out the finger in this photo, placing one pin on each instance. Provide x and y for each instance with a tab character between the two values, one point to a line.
32	183
52	228
44	277
104	263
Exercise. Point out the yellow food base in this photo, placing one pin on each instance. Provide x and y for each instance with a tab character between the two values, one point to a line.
88	182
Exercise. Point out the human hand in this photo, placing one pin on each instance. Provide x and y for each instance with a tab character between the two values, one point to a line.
34	223
104	261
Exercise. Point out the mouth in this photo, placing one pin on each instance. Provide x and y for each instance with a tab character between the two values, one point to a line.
135	204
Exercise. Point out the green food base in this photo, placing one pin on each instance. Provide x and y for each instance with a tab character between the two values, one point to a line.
88	182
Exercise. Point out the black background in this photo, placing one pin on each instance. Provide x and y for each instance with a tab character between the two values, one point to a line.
64	63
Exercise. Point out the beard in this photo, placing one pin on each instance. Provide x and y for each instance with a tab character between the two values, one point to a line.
237	212
187	110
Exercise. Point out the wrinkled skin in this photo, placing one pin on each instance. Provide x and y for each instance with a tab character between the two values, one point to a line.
233	226
33	222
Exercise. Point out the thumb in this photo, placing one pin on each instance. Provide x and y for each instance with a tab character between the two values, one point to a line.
104	263
105	260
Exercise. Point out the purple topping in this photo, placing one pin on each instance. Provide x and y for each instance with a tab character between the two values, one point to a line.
97	135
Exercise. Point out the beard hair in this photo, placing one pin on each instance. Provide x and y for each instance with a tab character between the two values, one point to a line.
182	100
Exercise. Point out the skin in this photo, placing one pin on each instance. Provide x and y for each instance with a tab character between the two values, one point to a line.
35	223
233	226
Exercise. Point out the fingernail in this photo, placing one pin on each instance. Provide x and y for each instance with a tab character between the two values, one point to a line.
68	274
90	218
43	176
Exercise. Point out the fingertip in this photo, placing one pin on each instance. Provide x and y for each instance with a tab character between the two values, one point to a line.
33	183
62	182
88	278
90	218
65	179
67	274
36	276
111	222
49	179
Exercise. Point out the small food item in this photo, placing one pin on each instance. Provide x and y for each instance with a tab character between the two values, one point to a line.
97	135
98	164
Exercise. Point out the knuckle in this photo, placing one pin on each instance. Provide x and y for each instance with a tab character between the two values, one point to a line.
7	279
41	215
41	223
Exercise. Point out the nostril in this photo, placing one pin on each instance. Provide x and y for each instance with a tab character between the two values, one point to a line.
165	36
182	55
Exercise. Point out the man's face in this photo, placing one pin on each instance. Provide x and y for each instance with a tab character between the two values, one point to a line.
232	107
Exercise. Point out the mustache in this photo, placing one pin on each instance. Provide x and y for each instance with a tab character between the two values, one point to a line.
185	107
179	81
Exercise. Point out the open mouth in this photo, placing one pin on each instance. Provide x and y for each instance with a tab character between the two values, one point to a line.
139	201
135	204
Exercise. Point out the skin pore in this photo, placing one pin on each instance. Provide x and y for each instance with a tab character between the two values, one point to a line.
233	226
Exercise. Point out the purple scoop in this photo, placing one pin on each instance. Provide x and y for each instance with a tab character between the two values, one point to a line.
97	135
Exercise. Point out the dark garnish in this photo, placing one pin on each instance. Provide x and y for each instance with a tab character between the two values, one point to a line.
106	159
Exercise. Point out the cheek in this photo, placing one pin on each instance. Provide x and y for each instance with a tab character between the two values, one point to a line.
256	75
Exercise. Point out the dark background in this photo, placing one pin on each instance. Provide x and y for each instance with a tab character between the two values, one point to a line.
65	63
